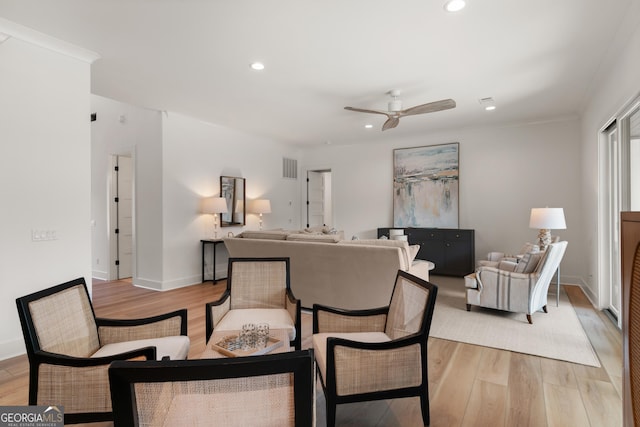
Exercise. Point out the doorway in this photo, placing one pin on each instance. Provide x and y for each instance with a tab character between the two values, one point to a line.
620	187
319	200
121	218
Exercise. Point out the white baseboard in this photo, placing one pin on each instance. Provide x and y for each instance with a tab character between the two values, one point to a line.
155	285
10	349
100	275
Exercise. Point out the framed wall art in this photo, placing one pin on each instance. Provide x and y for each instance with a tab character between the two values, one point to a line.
426	186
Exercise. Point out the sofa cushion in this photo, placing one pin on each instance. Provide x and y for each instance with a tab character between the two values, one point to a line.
176	347
401	244
265	234
309	237
529	262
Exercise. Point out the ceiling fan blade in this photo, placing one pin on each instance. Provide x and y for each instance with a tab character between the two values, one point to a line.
431	107
364	110
391	123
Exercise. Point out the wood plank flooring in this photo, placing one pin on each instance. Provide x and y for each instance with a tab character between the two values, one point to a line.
468	385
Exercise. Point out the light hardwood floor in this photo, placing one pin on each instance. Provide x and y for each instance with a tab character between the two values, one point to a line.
468	385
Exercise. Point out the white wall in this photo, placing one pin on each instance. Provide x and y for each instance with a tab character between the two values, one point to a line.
616	85
44	172
195	155
122	129
504	172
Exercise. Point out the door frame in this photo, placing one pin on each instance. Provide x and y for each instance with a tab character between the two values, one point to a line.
112	216
305	205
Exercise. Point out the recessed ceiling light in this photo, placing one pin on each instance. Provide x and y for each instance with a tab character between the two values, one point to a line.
258	66
454	5
368	126
488	103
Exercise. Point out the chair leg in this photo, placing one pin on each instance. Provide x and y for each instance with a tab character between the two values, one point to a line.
529	319
468	307
424	406
331	412
544	308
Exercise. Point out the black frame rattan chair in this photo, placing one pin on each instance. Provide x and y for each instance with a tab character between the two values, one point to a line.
61	371
215	391
394	366
248	290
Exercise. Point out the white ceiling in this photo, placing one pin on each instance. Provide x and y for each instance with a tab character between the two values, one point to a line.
537	59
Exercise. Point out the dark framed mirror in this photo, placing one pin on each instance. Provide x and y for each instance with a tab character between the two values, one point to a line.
232	189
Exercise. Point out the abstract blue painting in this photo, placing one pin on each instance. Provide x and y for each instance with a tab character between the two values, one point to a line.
426	186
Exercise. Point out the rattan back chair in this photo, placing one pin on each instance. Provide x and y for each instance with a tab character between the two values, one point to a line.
70	350
258	290
271	390
375	354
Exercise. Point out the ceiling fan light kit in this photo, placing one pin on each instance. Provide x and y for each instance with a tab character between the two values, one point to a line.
395	110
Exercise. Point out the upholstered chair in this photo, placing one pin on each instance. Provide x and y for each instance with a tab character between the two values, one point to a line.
258	291
379	353
70	350
522	288
270	390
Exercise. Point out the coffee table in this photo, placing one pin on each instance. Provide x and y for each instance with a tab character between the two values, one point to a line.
210	353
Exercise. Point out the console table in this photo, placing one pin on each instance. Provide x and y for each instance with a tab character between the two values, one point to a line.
452	250
215	243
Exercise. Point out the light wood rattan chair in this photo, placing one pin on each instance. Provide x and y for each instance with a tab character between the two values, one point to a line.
271	390
258	291
70	350
379	353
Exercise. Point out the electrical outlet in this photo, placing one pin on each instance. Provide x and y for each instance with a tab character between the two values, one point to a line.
43	235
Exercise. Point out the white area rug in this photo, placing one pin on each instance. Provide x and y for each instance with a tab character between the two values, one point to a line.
556	335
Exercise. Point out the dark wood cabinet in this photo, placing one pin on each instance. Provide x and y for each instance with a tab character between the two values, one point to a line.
452	250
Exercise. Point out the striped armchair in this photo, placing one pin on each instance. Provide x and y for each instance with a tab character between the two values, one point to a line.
515	291
258	291
70	350
379	353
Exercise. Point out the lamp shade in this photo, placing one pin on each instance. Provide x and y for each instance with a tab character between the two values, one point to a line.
261	206
214	205
547	219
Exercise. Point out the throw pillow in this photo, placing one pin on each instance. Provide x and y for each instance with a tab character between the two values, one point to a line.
529	262
308	237
413	252
529	247
265	234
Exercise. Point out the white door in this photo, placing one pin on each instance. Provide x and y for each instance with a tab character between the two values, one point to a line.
123	222
315	198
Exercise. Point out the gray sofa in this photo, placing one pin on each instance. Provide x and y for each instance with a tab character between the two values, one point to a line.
350	274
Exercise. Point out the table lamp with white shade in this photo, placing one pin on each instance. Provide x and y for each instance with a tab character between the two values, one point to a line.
261	206
214	206
547	219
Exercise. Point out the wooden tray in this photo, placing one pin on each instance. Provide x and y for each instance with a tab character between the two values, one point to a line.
272	344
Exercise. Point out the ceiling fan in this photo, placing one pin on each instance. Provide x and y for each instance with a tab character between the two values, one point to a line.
395	109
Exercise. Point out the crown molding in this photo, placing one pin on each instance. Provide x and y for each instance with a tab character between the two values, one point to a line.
9	29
